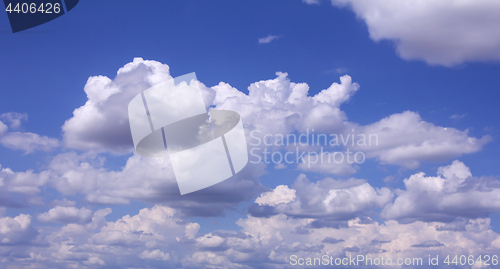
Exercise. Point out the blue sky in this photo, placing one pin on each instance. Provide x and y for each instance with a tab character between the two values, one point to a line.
407	80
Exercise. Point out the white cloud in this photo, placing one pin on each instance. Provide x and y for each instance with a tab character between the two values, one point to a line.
447	32
65	214
327	198
102	123
27	183
341	70
268	39
142	178
28	142
149	239
279	106
454	193
405	139
458	116
269	242
327	216
153	227
311	2
17	230
281	194
14	118
158	237
275	106
272	106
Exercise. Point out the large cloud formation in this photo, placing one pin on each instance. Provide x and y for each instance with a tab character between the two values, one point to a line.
102	123
447	32
17	230
451	195
337	217
141	179
158	237
406	139
274	106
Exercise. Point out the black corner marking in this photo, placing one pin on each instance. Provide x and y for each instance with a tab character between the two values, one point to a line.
26	14
70	4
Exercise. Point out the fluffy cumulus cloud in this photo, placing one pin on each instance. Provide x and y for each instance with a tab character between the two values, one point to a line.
142	178
63	214
311	217
326	199
451	195
279	106
306	219
281	194
407	140
445	32
157	238
21	189
102	123
270	242
272	107
158	231
17	230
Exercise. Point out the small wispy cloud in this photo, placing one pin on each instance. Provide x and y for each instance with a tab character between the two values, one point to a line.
341	70
14	118
458	116
338	70
268	39
311	2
